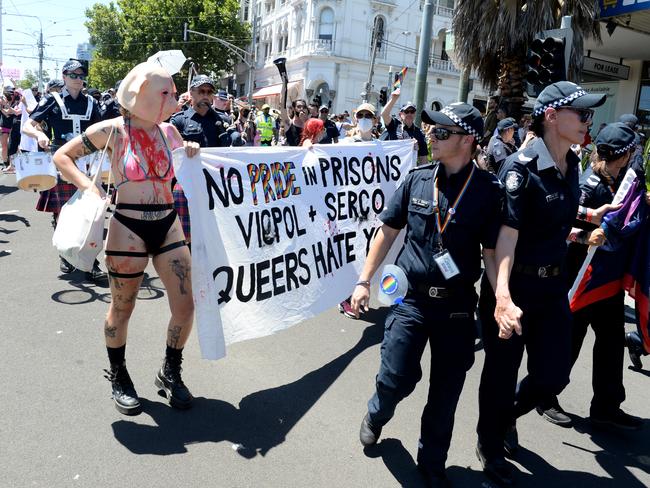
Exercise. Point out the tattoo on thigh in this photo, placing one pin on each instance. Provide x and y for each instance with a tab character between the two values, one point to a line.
110	331
115	282
181	270
173	336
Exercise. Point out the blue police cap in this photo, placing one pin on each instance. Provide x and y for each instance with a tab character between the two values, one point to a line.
199	80
461	114
615	139
506	124
566	94
73	64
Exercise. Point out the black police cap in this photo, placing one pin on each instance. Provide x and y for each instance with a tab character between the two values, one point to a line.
506	124
565	94
615	139
73	64
55	84
199	80
461	114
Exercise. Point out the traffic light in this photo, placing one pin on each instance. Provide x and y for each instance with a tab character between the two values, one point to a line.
383	95
546	63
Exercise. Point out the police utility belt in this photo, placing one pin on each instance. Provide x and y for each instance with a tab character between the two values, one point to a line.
441	292
549	271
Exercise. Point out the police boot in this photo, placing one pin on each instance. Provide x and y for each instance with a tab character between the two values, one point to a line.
368	433
171	386
124	394
635	349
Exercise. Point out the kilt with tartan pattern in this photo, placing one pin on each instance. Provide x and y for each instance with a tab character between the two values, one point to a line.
55	198
182	209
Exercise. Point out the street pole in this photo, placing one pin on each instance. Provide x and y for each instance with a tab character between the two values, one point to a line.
376	39
423	58
40	61
253	54
390	81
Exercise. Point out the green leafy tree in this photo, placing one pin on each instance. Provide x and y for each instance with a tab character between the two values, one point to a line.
128	32
492	39
30	78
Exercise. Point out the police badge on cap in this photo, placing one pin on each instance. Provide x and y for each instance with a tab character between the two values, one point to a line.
73	64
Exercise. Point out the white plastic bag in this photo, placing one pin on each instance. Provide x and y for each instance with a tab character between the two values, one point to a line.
79	234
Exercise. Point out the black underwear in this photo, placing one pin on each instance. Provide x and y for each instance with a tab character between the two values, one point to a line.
152	232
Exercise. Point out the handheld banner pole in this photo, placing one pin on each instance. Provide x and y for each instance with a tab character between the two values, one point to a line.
627	182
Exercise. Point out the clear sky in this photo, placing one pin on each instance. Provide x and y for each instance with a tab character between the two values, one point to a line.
63	28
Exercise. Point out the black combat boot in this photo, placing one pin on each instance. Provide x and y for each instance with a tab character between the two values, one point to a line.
124	394
169	382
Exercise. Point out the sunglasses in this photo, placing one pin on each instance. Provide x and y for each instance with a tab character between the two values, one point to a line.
442	134
366	115
585	114
75	76
409	111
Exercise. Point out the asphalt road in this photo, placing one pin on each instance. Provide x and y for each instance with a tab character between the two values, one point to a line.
281	411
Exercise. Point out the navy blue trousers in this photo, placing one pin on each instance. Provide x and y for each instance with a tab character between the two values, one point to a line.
546	336
448	326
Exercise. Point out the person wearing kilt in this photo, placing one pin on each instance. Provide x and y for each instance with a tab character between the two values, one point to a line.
67	114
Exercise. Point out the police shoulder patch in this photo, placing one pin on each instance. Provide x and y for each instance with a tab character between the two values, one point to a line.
42	102
593	180
513	180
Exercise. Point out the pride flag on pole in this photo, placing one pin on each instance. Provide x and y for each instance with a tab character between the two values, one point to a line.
399	78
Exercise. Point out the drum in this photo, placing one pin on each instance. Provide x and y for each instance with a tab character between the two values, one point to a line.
105	167
35	171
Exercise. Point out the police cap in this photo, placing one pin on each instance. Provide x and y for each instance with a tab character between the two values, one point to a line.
505	124
565	94
461	114
615	139
629	119
199	80
73	64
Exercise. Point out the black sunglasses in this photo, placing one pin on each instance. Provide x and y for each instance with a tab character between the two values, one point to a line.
409	111
442	134
75	76
585	114
367	115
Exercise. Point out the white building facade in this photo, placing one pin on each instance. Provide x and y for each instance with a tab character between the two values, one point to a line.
328	44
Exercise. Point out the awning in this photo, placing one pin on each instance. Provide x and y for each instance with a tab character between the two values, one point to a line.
272	90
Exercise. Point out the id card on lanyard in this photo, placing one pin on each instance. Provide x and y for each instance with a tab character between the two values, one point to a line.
442	257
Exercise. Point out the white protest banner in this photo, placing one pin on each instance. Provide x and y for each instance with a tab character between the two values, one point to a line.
280	234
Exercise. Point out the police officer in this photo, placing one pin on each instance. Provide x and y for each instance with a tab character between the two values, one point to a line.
614	146
542	194
405	127
502	145
66	114
266	126
450	209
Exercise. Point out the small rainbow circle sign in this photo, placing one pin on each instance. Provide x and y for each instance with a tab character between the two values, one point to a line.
389	284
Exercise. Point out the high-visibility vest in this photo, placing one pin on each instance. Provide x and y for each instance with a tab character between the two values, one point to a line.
266	126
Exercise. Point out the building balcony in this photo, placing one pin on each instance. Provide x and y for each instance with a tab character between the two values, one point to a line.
439	10
443	65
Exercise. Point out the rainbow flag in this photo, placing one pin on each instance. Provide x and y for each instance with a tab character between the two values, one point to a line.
399	77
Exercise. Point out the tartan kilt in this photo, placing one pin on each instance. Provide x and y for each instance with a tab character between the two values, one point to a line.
182	209
55	198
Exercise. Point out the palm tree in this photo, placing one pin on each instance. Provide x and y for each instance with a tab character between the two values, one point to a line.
492	36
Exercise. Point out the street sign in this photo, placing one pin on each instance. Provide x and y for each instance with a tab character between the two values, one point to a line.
607	68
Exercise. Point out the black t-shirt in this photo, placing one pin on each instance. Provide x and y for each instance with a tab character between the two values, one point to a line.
397	130
293	134
7	120
331	132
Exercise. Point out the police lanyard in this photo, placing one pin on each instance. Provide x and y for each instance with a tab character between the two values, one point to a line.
442	226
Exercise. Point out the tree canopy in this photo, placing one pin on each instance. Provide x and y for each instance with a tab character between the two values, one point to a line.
127	32
30	78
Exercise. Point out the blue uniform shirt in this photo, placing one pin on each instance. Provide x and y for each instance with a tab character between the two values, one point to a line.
540	203
476	222
205	130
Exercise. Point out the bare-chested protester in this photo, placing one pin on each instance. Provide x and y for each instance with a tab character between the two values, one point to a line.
144	224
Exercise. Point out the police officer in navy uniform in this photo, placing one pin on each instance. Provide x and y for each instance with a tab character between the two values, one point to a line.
405	127
64	115
502	145
531	308
599	183
450	210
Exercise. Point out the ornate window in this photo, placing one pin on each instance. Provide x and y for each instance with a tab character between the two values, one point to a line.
326	24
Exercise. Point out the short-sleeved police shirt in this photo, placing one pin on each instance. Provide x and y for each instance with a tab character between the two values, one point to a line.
475	223
48	110
202	129
397	130
540	203
497	152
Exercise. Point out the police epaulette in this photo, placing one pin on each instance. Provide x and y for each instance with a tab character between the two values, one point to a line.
424	166
524	156
593	180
